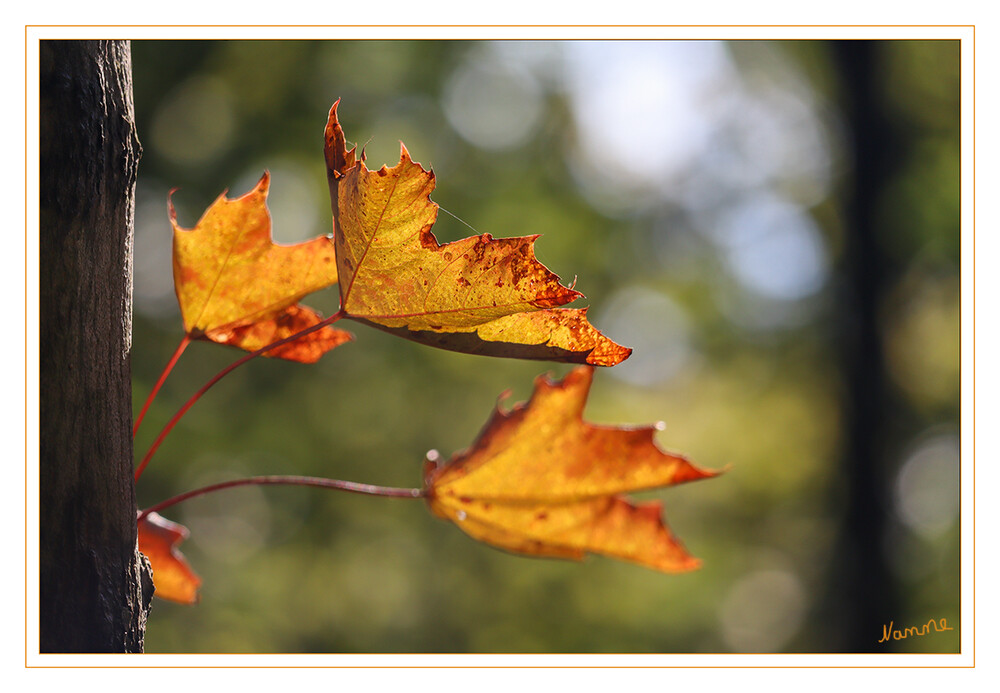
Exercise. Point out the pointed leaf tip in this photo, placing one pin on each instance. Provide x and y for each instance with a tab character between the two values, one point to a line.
338	158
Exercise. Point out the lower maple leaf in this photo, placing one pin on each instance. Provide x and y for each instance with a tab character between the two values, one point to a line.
539	480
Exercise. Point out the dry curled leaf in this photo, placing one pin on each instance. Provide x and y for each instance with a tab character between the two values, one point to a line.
540	480
172	576
236	286
479	295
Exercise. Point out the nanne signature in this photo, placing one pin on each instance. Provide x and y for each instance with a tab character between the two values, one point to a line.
888	633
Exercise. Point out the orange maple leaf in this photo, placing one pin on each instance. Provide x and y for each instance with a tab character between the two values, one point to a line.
172	576
478	295
539	480
235	286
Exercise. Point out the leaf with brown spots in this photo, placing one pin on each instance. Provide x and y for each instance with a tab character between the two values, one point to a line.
172	576
235	286
539	480
479	295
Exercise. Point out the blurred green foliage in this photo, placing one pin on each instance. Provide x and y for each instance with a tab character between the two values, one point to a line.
744	376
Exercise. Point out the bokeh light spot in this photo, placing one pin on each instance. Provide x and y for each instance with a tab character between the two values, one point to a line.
762	611
656	329
491	107
927	487
774	249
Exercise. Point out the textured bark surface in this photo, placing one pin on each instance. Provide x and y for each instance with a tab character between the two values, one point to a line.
95	586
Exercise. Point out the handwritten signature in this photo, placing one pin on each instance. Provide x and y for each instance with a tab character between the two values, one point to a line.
888	633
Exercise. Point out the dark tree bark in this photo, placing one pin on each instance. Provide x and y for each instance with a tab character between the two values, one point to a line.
95	585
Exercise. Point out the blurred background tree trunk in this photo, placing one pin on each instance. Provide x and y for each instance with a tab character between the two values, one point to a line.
95	586
861	595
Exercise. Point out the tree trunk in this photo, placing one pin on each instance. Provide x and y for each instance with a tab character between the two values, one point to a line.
95	585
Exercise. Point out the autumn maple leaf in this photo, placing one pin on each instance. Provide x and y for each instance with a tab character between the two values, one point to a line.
235	286
172	576
539	480
478	295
